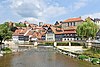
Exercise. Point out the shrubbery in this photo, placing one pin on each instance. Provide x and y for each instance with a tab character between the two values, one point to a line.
6	49
49	43
67	44
62	44
83	57
95	60
76	44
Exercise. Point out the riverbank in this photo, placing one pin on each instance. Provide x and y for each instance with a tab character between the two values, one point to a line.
77	52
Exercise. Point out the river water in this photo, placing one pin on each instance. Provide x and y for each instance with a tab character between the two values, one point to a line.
41	57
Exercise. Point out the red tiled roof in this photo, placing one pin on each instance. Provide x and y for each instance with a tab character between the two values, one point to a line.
54	29
37	35
67	31
29	33
46	25
19	32
71	28
73	19
70	31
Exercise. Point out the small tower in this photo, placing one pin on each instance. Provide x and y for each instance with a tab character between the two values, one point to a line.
40	24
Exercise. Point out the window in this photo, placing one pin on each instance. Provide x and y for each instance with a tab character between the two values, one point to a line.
21	38
73	23
68	24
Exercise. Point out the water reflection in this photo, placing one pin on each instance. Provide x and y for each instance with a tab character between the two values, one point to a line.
41	57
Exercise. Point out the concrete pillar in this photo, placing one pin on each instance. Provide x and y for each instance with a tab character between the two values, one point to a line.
89	44
55	44
35	44
69	43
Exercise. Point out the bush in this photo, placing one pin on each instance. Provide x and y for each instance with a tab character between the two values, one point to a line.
84	45
95	60
62	44
6	49
76	44
82	57
48	44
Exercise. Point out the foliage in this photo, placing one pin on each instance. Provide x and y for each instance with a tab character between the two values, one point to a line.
92	53
49	43
62	44
20	24
59	26
13	29
84	46
5	32
67	44
87	29
6	49
76	44
95	60
83	57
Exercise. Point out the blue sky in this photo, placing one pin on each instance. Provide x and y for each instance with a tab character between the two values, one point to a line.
47	11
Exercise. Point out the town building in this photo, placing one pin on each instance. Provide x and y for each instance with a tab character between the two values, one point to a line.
97	21
40	24
70	26
54	34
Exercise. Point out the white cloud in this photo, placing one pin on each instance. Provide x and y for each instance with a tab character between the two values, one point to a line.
39	9
93	15
53	11
79	4
31	20
42	10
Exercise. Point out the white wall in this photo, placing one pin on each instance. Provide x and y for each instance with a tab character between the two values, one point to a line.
15	38
50	37
67	39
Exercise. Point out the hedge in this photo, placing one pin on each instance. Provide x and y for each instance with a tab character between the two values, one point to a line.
67	44
82	57
95	60
6	49
76	44
62	44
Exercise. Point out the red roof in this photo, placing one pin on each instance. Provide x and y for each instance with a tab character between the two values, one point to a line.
73	19
70	31
61	31
19	32
46	25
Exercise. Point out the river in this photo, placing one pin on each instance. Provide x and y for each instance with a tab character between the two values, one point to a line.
41	57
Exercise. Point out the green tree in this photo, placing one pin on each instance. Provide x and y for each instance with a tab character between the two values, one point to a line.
87	29
20	24
5	32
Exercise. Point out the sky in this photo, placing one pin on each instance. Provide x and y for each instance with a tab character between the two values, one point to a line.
47	11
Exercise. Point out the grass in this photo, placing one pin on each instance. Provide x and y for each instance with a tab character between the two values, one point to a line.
92	53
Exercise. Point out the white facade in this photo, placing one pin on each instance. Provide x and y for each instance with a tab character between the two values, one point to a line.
15	38
98	23
68	39
50	37
34	39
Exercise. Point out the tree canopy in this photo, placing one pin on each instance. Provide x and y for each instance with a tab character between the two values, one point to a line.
5	32
87	29
20	24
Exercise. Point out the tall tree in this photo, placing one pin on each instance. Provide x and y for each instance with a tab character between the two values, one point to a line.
5	32
87	29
